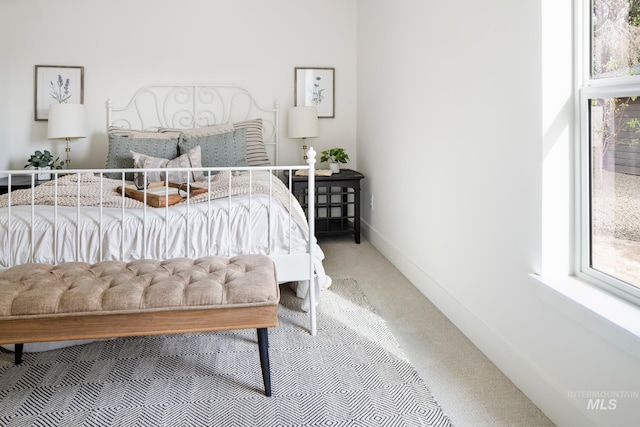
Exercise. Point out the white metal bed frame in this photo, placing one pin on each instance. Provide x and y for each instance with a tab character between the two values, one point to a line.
184	106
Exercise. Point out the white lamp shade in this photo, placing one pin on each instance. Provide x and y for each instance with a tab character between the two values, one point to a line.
66	121
303	122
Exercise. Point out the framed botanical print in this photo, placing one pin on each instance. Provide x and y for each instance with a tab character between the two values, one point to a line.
316	87
57	84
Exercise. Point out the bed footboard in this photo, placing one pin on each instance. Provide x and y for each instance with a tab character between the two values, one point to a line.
79	216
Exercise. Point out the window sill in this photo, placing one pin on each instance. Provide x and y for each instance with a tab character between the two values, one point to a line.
608	316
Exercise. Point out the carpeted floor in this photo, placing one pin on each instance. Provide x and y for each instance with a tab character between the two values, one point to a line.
352	373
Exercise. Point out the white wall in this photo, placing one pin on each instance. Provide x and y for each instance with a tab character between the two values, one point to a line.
450	139
5	44
124	45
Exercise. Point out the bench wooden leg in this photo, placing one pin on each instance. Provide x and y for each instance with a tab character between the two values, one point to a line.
263	347
18	353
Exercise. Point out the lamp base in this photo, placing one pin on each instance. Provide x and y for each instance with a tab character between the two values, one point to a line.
68	150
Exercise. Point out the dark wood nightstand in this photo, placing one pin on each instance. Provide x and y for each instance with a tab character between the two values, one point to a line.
18	182
337	201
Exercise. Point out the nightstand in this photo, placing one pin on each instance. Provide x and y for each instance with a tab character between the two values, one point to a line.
18	182
337	202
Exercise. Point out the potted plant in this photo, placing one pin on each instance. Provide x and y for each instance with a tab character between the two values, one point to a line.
43	160
334	156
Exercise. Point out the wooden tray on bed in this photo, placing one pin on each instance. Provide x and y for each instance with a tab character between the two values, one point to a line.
156	193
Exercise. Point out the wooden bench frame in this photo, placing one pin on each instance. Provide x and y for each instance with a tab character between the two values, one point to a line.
62	328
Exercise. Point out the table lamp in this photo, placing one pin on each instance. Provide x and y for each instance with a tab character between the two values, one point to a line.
303	124
66	121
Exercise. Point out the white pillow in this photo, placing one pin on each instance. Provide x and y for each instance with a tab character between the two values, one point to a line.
137	134
191	159
202	131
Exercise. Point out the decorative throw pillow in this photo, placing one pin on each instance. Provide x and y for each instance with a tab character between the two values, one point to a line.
120	147
218	150
191	159
256	151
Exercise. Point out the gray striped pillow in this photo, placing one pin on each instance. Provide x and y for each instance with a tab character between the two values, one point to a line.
256	151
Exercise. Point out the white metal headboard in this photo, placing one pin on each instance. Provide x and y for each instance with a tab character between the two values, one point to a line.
187	106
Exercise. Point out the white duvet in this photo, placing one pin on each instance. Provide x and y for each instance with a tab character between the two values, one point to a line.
225	227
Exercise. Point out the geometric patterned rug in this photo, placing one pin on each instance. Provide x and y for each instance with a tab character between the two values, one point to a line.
351	373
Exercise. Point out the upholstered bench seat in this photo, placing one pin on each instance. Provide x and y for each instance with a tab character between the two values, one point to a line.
72	300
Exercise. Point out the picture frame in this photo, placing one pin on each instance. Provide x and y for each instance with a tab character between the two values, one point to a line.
57	84
315	86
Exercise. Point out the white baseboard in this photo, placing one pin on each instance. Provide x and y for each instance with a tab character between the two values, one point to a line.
542	390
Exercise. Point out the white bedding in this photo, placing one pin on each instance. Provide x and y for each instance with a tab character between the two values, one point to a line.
192	231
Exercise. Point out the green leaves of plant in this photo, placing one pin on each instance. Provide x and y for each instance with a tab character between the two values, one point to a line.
41	159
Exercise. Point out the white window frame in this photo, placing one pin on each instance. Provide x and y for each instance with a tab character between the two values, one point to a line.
587	88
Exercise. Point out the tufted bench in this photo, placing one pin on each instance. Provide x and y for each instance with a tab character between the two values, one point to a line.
72	300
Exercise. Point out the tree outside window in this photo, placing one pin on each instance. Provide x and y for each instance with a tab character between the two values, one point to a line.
614	142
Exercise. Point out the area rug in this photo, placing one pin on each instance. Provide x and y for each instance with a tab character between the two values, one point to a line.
351	373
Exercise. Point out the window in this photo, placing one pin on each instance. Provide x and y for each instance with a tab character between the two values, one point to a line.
609	145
